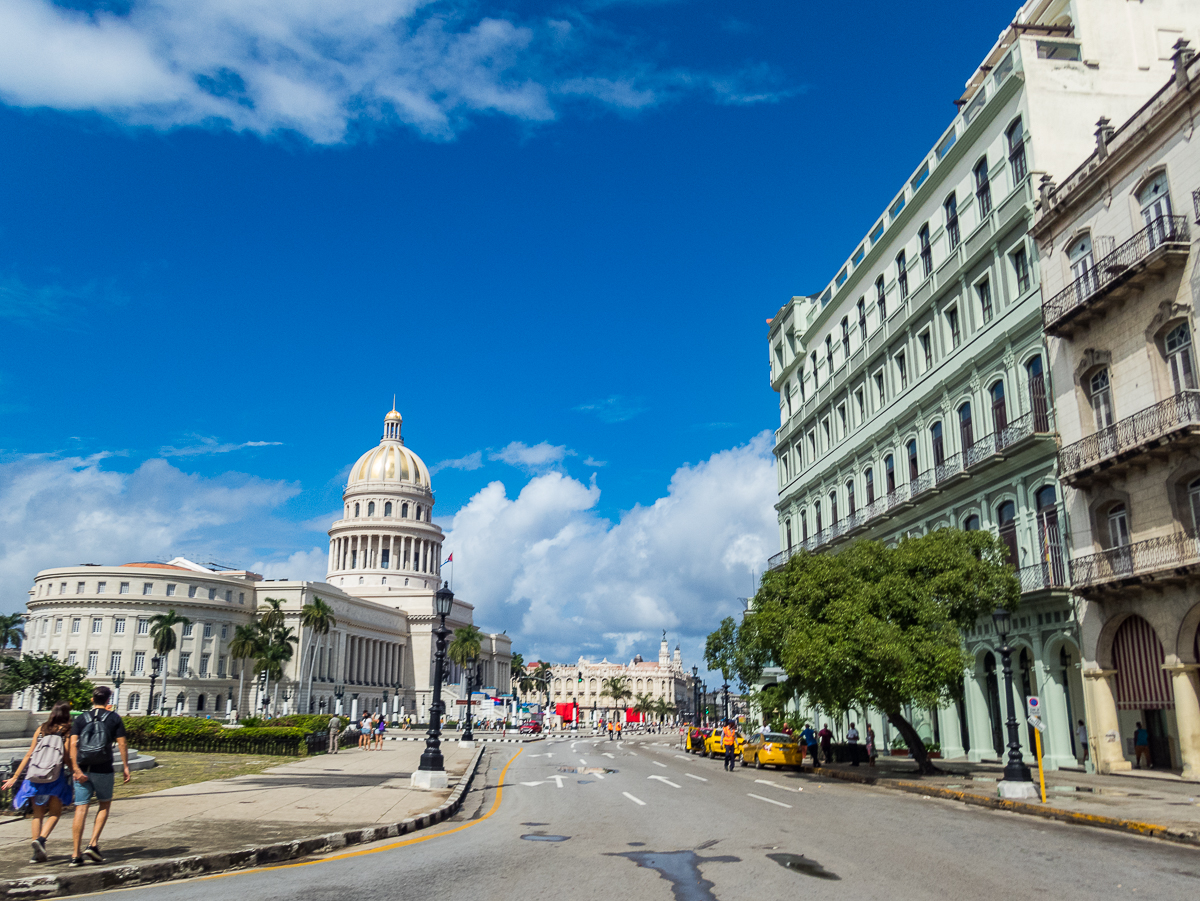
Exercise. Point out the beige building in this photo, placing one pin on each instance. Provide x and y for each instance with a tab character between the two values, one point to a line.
1120	287
384	563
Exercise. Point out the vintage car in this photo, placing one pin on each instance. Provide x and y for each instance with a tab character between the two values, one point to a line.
695	739
530	727
714	745
772	748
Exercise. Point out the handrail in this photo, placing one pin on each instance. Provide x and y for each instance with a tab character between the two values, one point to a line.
1165	230
1141	557
1182	409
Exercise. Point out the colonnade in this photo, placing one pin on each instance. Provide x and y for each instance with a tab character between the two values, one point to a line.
396	552
372	661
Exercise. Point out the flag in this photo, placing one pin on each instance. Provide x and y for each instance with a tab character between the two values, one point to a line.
450	559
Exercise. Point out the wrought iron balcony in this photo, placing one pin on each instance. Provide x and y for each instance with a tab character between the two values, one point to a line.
1176	419
1157	240
1165	555
1045	576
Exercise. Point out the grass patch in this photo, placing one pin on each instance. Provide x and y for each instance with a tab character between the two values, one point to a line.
183	768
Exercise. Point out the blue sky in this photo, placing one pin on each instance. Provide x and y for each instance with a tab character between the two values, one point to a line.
222	252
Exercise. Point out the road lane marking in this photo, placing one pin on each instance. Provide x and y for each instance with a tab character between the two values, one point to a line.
656	763
633	799
533	783
682	757
558	780
584	762
768	800
664	779
700	778
598	775
610	756
781	787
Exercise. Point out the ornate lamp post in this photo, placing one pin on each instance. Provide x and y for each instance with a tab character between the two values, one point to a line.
339	692
725	701
1017	782
432	770
155	668
468	735
696	696
262	691
285	697
396	706
117	679
321	706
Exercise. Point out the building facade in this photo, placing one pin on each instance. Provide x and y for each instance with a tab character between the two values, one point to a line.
1120	289
384	564
913	387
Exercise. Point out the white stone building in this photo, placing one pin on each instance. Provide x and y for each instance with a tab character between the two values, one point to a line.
384	565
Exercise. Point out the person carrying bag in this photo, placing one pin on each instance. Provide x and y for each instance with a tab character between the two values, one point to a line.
47	781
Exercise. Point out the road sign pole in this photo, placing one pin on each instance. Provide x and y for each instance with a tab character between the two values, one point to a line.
1037	738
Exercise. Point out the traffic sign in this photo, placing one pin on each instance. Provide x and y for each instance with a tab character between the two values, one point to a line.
1036	722
1033	706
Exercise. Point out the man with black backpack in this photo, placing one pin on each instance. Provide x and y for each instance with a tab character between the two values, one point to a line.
92	737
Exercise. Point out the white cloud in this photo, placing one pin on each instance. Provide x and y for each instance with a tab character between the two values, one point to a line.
62	512
566	581
613	409
518	453
469	463
212	446
308	566
322	69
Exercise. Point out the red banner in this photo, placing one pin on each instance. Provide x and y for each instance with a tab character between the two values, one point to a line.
566	711
632	716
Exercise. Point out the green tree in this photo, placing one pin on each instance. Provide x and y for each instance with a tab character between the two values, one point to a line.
465	645
617	688
272	617
663	709
246	645
878	626
62	682
318	618
12	630
164	641
542	675
273	657
643	704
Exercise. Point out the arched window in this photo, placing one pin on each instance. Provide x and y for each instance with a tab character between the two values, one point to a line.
926	250
1083	265
902	274
404	511
387	509
846	337
951	209
1155	201
1016	152
880	299
181	701
999	406
889	470
983	189
371	509
869	480
1118	526
788	526
1049	537
939	450
1037	395
965	432
804	525
862	320
356	509
418	512
360	580
817	510
200	704
829	355
135	701
971	523
1006	519
1194	503
850	497
913	471
833	508
1179	358
428	514
1100	394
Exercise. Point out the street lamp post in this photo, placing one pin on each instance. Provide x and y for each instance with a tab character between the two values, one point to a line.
468	737
1017	782
117	679
725	702
696	696
431	773
155	666
396	706
339	692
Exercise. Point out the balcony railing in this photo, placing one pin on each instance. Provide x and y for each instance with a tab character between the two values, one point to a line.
1141	558
1113	267
1151	424
1046	575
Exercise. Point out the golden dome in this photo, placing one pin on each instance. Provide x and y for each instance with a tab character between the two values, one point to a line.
393	417
391	461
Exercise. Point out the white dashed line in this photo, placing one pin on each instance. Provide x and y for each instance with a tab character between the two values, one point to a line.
656	763
781	787
664	779
682	757
638	801
700	778
768	800
584	762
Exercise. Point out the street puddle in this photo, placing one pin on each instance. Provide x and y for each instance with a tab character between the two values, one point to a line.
802	865
681	869
542	837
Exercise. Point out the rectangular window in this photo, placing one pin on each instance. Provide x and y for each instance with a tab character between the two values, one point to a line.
191	591
902	370
185	661
812	446
952	323
62	588
114	663
879	392
843	426
221	667
1020	262
187	630
241	597
212	594
170	591
919	178
926	349
75	626
79	588
228	597
58	627
984	292
147	588
896	207
100	587
862	405
119	625
951	208
862	320
124	588
143	626
825	433
97	625
139	662
45	626
983	189
208	630
71	658
204	658
93	662
224	631
876	232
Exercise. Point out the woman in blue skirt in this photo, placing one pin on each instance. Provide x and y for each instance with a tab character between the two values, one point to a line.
47	796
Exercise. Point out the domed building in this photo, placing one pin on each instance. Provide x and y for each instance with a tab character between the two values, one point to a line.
385	556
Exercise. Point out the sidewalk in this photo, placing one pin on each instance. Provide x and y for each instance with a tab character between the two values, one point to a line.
1150	803
299	800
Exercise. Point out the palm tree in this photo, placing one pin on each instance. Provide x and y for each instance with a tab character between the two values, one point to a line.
12	630
273	617
163	640
663	709
273	657
465	647
541	674
247	643
643	705
516	669
318	618
616	688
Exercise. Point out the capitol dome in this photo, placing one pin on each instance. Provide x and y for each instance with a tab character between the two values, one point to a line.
391	461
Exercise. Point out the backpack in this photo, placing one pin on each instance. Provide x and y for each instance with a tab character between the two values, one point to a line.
46	762
95	747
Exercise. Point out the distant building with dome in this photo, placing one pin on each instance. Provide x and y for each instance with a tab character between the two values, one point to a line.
385	556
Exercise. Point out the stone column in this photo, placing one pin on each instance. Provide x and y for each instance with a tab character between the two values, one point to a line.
1104	731
1187	717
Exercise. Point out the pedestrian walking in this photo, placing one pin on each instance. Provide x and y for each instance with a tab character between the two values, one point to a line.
379	732
1141	745
92	736
335	726
364	732
1081	742
618	730
872	751
852	741
47	782
729	742
809	737
826	738
610	730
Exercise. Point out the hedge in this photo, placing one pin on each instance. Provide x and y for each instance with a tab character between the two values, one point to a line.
182	733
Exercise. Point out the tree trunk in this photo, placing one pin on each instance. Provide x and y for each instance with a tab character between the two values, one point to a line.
916	747
312	663
241	688
275	698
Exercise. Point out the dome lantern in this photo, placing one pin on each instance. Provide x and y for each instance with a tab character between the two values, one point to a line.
391	461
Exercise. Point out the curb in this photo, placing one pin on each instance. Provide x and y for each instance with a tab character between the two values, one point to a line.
494	741
1150	830
96	880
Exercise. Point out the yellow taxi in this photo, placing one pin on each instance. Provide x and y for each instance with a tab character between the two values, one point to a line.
714	745
696	738
772	748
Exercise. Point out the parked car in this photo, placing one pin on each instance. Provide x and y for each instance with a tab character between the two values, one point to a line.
695	739
714	744
530	727
772	748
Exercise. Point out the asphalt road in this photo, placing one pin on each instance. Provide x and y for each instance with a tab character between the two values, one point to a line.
669	826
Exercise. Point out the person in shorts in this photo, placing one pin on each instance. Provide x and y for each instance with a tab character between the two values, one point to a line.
94	775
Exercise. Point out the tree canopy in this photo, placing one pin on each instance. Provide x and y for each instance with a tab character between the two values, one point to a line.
876	626
63	682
